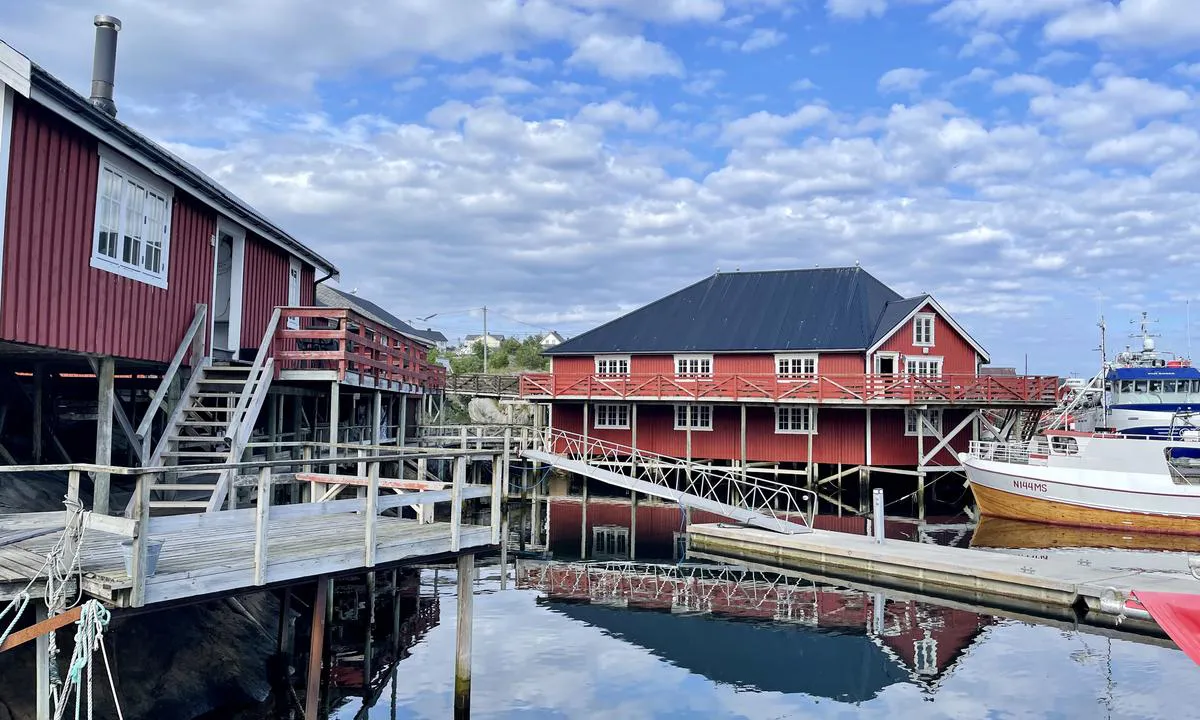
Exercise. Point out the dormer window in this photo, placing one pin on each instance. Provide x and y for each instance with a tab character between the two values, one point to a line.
923	330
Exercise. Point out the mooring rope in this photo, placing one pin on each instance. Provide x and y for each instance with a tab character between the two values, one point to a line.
89	637
17	607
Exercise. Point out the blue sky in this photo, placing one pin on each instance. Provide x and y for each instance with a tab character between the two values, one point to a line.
564	161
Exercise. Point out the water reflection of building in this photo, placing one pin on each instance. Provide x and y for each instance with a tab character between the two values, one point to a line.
375	626
861	642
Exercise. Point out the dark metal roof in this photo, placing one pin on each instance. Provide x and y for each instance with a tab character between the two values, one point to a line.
893	313
813	309
183	174
332	297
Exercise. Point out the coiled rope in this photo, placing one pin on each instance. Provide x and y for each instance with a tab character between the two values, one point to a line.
89	637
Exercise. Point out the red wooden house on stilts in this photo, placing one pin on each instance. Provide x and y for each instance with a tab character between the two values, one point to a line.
816	375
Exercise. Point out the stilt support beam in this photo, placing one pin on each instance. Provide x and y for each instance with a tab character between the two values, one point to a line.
462	655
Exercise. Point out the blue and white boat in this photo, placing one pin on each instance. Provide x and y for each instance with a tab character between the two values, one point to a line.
1149	393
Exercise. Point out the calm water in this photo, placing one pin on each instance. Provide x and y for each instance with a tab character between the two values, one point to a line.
540	651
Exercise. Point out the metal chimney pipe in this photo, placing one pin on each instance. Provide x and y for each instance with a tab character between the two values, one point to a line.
104	63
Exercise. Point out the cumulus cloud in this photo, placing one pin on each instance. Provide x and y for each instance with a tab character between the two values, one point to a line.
625	57
764	128
1133	22
902	80
856	9
761	39
990	47
615	113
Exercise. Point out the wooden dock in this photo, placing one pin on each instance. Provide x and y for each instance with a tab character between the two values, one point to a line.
977	576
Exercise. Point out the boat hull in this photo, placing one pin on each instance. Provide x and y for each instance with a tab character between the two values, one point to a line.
1033	497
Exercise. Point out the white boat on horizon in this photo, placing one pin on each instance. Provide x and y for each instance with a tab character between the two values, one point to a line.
1110	481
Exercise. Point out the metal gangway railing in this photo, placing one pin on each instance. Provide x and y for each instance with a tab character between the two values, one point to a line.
725	491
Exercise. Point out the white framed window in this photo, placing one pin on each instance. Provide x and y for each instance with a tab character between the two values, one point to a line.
610	541
923	329
612	365
794	366
133	223
695	417
693	366
926	366
796	419
610	416
911	417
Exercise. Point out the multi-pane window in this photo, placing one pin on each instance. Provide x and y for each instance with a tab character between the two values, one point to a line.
693	366
612	365
133	224
800	419
913	417
927	366
695	417
611	416
610	541
796	366
923	330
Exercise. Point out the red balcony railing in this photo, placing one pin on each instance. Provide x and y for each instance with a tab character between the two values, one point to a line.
352	346
834	389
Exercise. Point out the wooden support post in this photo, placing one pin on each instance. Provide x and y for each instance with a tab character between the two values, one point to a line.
272	426
921	464
306	453
633	503
499	480
369	650
316	650
377	419
104	426
372	514
583	540
284	646
402	428
39	393
262	516
335	402
141	513
43	666
456	488
504	550
462	655
424	512
73	485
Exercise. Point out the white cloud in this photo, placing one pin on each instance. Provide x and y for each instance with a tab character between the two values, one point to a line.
625	57
1056	58
499	84
997	12
989	46
761	39
1135	22
856	9
1152	145
803	84
902	80
1188	70
1113	106
764	128
659	10
615	113
1032	84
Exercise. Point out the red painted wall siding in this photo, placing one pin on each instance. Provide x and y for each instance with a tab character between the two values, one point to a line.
52	297
958	355
890	446
265	287
733	364
841	434
308	286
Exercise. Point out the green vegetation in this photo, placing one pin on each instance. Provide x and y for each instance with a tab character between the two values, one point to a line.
513	356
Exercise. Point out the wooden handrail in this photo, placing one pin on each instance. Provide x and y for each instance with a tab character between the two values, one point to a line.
144	427
238	442
253	379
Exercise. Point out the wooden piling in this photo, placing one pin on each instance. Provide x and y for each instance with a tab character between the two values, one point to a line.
316	650
105	398
633	503
462	655
583	544
39	390
43	666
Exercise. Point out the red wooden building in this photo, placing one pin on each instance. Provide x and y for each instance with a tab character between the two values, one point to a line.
796	370
120	260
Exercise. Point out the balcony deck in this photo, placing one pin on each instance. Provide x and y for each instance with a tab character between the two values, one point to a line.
860	390
339	344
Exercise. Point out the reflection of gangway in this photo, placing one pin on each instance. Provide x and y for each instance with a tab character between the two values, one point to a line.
756	502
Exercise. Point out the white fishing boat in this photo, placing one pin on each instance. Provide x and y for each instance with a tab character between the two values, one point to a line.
1113	481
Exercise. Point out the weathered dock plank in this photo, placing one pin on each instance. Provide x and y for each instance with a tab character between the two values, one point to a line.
957	573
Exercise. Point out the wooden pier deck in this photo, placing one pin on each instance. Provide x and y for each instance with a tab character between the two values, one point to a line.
978	576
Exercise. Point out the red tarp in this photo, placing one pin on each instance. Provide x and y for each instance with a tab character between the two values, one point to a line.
1176	613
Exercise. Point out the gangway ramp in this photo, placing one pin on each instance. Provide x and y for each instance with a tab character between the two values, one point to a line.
759	503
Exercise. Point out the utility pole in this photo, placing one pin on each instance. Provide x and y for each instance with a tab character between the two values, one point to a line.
485	341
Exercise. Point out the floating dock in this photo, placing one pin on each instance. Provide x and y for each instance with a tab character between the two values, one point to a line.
1039	585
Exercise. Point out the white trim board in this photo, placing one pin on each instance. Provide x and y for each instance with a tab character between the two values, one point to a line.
6	137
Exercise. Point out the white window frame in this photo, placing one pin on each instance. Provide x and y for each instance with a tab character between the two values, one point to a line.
128	172
599	359
610	408
791	359
918	319
693	415
694	358
610	541
927	359
782	411
910	422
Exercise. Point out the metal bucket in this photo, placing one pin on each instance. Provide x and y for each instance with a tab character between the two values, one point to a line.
153	548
